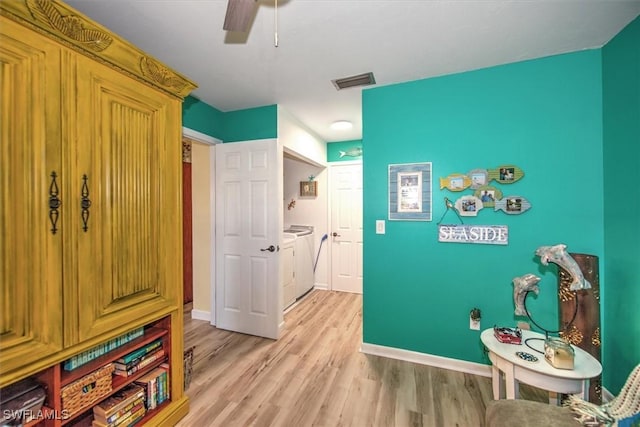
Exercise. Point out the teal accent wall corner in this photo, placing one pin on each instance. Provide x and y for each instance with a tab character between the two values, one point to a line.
621	82
250	124
344	151
544	116
232	126
202	117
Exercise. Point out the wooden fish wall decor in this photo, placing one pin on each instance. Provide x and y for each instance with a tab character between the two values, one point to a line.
512	205
468	205
479	177
488	194
455	182
506	174
485	195
352	152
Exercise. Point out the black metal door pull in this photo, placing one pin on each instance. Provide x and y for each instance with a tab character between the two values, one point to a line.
270	249
54	203
85	203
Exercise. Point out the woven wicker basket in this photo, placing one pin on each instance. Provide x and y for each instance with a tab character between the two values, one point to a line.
87	390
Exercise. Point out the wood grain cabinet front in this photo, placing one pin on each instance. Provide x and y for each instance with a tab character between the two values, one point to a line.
90	200
31	242
127	176
90	190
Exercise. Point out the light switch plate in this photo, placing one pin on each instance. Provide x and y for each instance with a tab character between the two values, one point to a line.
380	226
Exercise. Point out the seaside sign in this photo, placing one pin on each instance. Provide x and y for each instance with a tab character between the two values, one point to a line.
484	234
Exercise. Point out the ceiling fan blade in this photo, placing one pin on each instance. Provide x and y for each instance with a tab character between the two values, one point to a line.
239	15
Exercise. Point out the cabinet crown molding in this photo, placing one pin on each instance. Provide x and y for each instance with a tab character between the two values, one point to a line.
68	26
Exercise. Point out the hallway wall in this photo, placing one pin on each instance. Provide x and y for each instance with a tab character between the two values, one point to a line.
202	192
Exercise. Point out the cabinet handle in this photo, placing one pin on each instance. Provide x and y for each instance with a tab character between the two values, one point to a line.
54	203
85	203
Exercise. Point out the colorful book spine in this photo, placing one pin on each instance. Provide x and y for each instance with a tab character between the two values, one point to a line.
120	414
152	392
143	363
97	351
156	385
137	360
140	352
127	420
162	390
133	418
165	367
118	401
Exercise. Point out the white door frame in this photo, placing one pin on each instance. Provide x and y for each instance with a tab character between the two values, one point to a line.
202	138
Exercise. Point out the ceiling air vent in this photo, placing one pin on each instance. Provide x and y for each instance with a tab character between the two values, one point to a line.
365	79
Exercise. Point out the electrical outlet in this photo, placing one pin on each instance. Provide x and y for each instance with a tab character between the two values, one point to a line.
380	226
474	319
474	324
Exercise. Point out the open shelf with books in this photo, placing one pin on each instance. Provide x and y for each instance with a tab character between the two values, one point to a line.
141	367
151	334
127	364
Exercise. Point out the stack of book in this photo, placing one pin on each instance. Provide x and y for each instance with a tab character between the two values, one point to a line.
155	385
139	359
121	409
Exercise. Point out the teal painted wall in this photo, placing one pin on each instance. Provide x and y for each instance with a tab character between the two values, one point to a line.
240	125
344	151
621	83
253	123
202	117
544	116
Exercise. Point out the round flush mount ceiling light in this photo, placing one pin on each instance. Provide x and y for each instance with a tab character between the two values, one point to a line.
341	125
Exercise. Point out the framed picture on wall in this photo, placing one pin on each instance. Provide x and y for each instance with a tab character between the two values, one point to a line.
410	192
308	188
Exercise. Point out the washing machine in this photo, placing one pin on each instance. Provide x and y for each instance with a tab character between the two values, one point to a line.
303	259
287	272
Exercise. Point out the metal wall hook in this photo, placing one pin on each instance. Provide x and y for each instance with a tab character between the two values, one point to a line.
449	204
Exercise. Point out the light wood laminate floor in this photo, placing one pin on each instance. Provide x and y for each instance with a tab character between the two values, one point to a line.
315	375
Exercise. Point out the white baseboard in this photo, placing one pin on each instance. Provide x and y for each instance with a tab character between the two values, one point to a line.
321	286
427	359
442	362
201	315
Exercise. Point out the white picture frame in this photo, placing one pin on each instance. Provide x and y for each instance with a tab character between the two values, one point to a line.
410	191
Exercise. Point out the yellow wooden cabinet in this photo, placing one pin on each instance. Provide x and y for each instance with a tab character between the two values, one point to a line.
31	262
90	181
127	161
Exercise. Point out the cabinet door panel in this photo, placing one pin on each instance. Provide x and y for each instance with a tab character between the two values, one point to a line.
30	253
129	148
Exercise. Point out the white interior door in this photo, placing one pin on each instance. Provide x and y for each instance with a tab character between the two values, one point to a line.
248	235
346	227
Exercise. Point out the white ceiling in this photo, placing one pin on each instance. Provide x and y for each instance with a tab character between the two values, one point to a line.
321	40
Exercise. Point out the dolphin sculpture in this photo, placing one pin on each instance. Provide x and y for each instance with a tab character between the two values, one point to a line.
522	285
558	255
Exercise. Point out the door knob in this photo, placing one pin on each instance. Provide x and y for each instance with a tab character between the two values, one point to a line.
334	234
270	249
